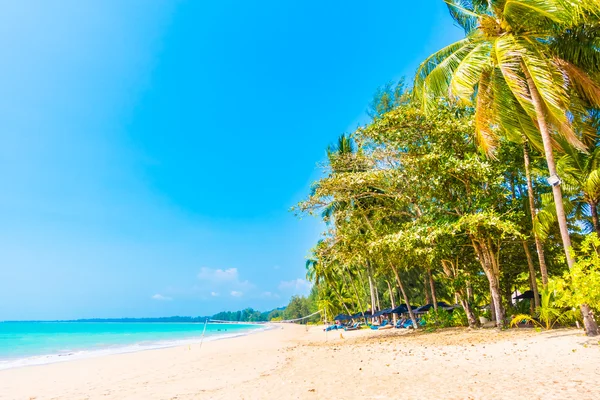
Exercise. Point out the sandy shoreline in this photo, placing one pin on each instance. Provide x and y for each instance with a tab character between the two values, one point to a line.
293	362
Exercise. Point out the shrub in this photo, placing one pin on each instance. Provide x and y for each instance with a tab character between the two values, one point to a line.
438	319
547	314
459	317
581	285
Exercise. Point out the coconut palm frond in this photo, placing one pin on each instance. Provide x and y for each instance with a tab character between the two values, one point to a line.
587	87
509	62
546	221
438	80
591	186
547	78
513	118
469	71
465	12
520	12
432	62
484	119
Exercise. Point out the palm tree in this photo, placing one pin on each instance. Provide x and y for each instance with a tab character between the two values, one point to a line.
533	212
343	158
319	274
581	173
512	65
581	176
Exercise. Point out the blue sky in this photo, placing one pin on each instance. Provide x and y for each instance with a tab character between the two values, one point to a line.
151	150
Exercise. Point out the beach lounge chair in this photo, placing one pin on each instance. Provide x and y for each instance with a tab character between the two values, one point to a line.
400	323
354	327
408	324
383	325
334	327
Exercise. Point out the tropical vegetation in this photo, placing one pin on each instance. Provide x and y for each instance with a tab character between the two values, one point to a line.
478	181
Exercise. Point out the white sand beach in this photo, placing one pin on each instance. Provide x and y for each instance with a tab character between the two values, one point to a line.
295	362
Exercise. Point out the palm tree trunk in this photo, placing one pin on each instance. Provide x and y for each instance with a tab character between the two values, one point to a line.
591	327
530	194
594	209
401	286
341	299
358	299
425	284
556	190
532	279
432	286
371	291
392	300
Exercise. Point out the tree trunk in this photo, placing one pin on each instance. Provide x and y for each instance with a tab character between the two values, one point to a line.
492	305
358	299
450	272
531	196
509	291
591	327
401	286
497	300
341	299
432	285
469	291
556	190
377	297
425	284
392	300
473	323
594	209
486	259
372	292
532	278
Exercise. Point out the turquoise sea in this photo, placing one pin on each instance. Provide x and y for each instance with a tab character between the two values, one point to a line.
33	343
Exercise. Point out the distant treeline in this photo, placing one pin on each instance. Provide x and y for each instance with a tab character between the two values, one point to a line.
161	319
249	315
299	306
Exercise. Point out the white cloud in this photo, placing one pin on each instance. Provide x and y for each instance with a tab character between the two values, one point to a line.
270	294
160	297
295	286
218	275
213	282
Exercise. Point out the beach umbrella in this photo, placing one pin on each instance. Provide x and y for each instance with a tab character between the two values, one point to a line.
528	294
342	317
383	312
401	309
428	307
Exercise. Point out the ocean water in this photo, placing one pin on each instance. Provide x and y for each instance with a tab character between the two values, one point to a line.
34	343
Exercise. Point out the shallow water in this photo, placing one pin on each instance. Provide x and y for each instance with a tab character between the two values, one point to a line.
33	343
